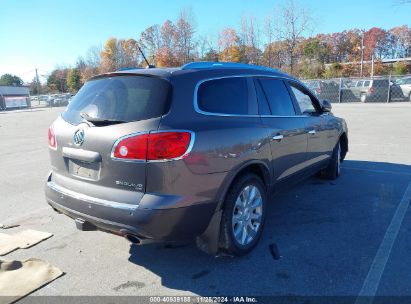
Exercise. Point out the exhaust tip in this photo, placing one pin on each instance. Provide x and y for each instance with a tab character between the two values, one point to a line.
133	239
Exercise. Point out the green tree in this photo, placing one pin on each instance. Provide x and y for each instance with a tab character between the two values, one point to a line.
73	80
11	80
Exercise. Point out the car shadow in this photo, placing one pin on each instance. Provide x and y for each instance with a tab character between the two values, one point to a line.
320	238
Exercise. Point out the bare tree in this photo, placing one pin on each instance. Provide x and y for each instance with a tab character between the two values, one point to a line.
250	39
269	30
185	29
293	22
150	41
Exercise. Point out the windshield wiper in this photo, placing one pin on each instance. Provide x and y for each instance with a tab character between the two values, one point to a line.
101	121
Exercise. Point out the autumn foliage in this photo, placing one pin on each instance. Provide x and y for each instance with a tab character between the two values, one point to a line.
280	41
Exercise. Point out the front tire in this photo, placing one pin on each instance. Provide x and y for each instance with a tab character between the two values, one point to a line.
243	215
334	168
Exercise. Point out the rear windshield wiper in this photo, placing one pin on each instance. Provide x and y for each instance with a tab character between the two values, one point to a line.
101	121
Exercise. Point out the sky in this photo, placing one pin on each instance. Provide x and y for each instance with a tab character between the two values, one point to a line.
44	34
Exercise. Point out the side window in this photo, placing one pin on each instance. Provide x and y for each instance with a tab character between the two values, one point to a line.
304	100
278	97
367	83
263	108
227	96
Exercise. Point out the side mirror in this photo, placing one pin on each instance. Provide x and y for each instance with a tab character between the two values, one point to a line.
326	106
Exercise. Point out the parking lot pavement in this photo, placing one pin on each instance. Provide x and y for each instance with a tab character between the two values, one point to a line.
331	235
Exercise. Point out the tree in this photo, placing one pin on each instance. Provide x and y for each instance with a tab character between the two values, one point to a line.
275	52
184	36
150	41
11	80
229	46
110	55
165	56
293	22
90	65
34	87
376	42
73	80
57	80
249	40
402	41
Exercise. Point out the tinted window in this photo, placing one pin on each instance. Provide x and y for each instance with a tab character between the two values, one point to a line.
367	83
380	83
278	97
126	98
226	96
304	100
263	108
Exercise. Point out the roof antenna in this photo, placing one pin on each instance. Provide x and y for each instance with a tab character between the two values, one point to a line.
149	66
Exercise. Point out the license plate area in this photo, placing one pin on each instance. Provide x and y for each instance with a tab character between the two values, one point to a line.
84	169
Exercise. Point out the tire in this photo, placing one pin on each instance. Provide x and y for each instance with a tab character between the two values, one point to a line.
243	217
363	97
334	168
409	96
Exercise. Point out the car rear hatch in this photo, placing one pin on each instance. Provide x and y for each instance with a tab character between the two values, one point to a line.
104	111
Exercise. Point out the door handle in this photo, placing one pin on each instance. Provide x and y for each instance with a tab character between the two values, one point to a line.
278	137
312	132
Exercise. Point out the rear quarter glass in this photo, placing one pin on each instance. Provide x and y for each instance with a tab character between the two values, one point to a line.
124	98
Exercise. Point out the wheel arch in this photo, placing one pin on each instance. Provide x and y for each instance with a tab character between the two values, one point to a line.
258	167
344	144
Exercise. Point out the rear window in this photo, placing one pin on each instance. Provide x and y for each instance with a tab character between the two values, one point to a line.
227	96
125	98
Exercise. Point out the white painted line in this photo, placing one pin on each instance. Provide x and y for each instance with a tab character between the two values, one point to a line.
372	281
377	171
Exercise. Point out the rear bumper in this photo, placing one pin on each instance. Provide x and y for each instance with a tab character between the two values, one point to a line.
165	224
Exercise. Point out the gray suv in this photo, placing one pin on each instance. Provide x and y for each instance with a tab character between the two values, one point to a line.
188	153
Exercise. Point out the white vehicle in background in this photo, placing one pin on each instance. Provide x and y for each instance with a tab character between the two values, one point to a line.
405	85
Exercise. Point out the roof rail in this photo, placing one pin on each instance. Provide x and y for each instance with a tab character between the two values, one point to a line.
232	65
128	68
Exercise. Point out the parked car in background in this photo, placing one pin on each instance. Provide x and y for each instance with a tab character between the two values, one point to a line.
324	89
371	90
405	86
188	153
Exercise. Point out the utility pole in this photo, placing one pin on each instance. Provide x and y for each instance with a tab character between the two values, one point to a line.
37	85
362	52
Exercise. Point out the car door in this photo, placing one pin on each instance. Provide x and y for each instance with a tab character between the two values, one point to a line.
320	127
286	129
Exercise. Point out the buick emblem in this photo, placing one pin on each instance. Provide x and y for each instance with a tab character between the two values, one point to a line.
78	137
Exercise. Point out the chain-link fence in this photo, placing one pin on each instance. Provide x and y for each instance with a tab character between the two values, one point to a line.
365	89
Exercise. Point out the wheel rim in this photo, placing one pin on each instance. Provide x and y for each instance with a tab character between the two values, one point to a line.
338	159
247	215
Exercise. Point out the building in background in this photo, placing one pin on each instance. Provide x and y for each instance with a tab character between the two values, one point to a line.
14	97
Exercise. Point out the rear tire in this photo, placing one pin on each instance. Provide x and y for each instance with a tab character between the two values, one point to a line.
243	216
334	168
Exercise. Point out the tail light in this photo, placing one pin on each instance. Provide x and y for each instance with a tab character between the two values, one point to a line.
153	146
52	139
318	90
371	90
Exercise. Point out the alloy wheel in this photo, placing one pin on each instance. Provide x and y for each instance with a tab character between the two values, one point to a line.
247	215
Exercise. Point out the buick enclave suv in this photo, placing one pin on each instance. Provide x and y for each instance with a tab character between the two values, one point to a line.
188	153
